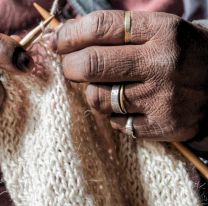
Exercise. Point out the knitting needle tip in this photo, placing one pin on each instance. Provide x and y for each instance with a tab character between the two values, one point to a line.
31	36
54	23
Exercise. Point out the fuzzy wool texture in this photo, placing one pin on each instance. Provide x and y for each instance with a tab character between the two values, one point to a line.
52	152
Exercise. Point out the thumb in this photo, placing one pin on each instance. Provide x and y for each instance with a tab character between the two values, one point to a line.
13	58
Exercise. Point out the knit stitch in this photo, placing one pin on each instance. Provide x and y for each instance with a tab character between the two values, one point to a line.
53	154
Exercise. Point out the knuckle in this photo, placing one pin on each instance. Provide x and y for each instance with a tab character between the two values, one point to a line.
96	98
64	38
141	61
89	58
64	31
92	97
67	36
69	32
101	22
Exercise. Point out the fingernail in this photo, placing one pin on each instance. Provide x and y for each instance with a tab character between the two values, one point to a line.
53	43
16	37
22	60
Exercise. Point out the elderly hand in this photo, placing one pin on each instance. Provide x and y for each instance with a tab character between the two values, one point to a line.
165	70
13	58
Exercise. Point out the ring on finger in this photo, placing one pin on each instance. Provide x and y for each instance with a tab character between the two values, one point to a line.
121	99
115	99
129	126
127	27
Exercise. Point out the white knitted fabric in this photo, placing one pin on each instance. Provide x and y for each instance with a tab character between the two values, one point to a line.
52	153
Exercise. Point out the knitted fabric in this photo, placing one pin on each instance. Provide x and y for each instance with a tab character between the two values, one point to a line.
53	154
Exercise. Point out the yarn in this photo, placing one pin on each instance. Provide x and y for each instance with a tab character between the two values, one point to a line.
54	7
53	154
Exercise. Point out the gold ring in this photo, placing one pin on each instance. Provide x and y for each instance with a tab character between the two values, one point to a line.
127	27
121	99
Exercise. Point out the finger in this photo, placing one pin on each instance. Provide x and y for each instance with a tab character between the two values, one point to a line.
146	128
108	64
105	28
101	27
137	98
13	58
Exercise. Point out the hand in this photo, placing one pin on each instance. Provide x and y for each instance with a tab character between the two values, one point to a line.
13	58
164	70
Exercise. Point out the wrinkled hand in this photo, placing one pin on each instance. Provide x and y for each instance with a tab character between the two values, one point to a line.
164	70
13	58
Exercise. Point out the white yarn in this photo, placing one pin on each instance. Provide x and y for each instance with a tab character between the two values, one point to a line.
52	153
54	7
40	36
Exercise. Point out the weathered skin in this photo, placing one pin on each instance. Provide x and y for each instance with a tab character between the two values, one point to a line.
164	70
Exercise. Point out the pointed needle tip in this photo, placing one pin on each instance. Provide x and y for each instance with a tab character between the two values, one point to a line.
55	23
32	35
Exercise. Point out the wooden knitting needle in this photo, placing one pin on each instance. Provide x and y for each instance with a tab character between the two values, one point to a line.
192	158
31	36
184	150
54	23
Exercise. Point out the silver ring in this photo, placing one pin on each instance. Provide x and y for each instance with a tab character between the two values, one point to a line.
115	99
129	126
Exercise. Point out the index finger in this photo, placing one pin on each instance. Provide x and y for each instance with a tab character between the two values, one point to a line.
104	28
